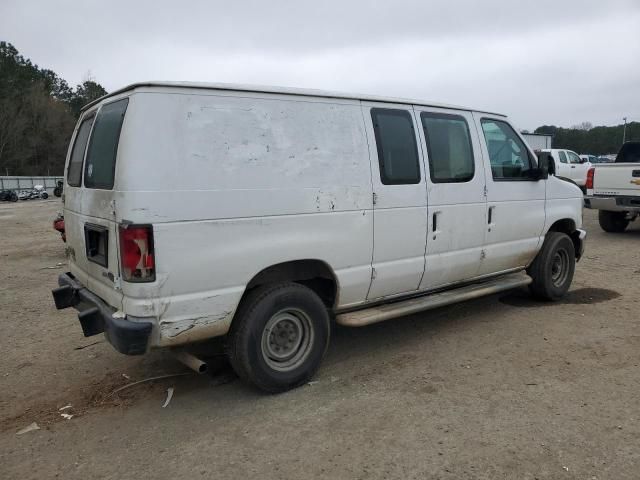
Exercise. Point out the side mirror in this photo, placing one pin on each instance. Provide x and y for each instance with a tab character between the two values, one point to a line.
546	166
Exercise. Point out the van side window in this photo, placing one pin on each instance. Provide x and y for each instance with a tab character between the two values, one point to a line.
563	156
100	166
397	148
449	147
509	157
74	170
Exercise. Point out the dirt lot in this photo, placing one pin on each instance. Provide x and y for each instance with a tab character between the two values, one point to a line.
501	387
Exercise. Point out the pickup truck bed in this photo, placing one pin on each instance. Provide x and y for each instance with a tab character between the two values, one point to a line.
614	189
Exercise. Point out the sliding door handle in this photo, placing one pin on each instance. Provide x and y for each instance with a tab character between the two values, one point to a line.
435	221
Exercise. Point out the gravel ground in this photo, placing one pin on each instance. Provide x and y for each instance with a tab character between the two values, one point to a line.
500	387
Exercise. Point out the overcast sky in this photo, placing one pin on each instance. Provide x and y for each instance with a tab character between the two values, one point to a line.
541	62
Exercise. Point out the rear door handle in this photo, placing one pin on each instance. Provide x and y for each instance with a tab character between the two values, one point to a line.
573	166
490	216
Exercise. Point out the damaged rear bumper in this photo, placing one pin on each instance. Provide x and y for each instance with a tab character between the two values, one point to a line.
126	336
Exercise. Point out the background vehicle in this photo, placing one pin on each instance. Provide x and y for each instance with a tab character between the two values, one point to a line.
569	165
538	141
38	191
290	207
589	159
8	196
614	189
57	191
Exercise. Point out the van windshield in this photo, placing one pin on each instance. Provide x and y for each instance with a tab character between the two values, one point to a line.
100	165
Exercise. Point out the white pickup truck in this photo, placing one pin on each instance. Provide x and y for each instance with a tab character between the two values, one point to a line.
568	164
614	189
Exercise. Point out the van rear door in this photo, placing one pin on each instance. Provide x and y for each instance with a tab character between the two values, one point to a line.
90	209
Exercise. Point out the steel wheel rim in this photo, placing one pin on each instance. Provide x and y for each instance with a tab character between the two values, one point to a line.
560	267
287	339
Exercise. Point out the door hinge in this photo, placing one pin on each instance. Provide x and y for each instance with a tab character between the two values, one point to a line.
482	254
484	191
373	273
375	198
112	204
117	283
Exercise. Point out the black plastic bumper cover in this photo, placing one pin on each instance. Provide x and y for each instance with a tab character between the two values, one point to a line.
130	338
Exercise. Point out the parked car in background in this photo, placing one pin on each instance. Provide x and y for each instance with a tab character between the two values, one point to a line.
58	190
569	165
195	211
614	189
38	191
588	159
8	196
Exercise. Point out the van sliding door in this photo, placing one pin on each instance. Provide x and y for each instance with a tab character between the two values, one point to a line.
400	200
457	212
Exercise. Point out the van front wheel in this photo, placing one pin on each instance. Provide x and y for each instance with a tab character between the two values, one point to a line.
552	269
279	336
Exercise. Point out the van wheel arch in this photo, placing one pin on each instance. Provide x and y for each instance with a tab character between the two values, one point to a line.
568	226
314	274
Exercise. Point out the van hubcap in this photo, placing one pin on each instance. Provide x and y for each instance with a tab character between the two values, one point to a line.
287	339
560	267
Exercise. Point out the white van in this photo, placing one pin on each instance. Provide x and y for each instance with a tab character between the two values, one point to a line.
195	211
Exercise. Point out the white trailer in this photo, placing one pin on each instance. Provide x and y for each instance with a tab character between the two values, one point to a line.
538	141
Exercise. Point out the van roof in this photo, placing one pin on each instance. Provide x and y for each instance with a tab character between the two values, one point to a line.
282	90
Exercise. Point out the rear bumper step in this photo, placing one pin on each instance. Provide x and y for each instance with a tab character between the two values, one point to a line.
401	308
126	336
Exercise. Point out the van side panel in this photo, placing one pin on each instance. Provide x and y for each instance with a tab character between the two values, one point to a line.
234	184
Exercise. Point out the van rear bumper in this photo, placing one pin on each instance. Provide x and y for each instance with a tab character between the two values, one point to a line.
126	336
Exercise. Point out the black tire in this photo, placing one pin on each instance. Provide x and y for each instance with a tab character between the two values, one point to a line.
553	268
13	197
264	329
44	195
612	222
57	191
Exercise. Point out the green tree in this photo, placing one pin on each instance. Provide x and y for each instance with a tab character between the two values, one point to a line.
86	92
585	138
38	110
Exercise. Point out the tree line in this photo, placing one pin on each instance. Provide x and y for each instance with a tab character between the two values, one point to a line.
38	111
587	139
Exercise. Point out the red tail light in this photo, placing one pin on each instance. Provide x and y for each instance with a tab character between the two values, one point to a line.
590	174
136	253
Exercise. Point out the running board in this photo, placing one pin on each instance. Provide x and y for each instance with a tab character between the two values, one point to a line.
387	311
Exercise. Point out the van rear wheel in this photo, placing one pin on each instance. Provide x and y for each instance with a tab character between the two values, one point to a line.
279	336
553	268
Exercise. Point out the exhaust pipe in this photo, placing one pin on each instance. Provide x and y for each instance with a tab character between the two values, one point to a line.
191	361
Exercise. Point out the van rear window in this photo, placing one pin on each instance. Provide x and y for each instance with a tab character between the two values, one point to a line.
100	166
74	170
397	148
